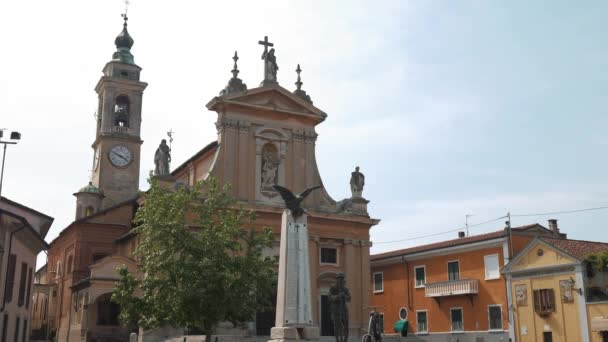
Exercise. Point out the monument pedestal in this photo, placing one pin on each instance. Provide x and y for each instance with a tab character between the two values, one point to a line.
294	309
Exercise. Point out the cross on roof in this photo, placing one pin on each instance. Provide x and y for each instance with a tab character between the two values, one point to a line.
266	44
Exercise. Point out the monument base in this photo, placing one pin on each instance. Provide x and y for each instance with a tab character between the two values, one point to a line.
284	334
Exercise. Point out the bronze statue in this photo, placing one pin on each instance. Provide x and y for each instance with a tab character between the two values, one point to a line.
339	296
293	202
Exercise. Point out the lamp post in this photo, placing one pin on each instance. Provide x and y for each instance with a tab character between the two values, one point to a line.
13	139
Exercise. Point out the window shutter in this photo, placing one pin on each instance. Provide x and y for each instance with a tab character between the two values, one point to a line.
29	289
537	306
21	298
10	282
550	300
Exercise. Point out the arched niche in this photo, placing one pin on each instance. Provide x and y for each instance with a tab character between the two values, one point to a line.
121	111
271	147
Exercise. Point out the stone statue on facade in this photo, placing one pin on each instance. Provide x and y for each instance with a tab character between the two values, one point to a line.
270	66
162	158
339	296
269	172
357	181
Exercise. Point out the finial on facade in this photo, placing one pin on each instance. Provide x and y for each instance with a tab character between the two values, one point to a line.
235	84
235	69
299	92
270	63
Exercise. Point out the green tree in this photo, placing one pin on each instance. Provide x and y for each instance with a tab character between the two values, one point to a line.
201	265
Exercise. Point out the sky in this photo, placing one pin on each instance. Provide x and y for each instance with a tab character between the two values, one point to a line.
450	108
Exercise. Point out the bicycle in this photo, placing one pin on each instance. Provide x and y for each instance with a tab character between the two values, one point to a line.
373	333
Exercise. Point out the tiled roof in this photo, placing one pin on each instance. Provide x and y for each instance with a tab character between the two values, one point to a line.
579	249
450	243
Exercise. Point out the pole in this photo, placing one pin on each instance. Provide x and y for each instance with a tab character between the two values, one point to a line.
510	236
2	172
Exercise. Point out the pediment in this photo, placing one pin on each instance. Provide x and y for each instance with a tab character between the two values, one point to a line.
539	254
270	98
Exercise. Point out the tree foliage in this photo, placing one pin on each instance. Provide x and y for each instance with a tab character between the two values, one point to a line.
598	261
201	265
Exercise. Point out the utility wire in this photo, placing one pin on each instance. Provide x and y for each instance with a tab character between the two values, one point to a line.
496	219
560	212
441	233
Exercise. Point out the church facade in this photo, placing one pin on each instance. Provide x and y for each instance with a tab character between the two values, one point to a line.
265	136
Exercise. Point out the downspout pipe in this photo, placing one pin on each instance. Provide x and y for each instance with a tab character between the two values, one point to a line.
10	247
408	292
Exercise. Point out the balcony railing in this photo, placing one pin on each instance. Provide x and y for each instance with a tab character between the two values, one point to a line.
452	288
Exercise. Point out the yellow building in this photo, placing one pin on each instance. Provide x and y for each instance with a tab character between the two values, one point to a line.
556	295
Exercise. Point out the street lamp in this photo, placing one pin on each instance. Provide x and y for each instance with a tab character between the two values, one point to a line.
13	139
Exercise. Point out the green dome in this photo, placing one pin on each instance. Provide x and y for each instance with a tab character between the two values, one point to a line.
90	188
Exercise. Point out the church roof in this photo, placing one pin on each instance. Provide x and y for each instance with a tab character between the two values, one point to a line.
204	150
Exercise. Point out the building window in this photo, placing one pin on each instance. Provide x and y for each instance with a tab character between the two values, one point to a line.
547	336
422	322
4	327
378	282
70	262
495	317
492	266
456	318
10	281
22	281
420	272
16	339
99	256
29	289
453	270
403	313
24	337
329	255
544	301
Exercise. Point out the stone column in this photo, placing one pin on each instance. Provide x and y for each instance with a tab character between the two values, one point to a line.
294	315
351	271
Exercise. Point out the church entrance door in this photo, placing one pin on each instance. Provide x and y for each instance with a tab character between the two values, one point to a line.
327	328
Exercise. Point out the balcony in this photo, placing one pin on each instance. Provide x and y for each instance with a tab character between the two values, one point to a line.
468	287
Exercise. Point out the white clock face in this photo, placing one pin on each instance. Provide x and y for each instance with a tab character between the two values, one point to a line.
120	155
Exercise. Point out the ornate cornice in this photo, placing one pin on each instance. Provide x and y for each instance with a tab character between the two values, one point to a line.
307	135
238	125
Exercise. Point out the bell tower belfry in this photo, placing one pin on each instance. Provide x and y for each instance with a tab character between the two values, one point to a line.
117	143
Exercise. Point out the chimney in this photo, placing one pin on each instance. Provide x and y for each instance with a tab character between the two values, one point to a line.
460	235
553	227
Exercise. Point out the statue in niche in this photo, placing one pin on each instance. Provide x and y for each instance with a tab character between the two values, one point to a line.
270	167
357	181
339	296
162	158
270	66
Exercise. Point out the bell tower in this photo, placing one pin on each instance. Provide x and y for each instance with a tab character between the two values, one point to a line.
117	143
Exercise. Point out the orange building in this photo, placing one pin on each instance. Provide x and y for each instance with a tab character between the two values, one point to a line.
451	290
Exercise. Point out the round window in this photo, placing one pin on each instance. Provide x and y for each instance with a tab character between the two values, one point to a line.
403	313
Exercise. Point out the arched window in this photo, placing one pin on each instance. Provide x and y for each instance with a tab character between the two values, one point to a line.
88	211
70	260
121	111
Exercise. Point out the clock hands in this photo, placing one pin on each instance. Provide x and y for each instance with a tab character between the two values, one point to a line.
121	156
